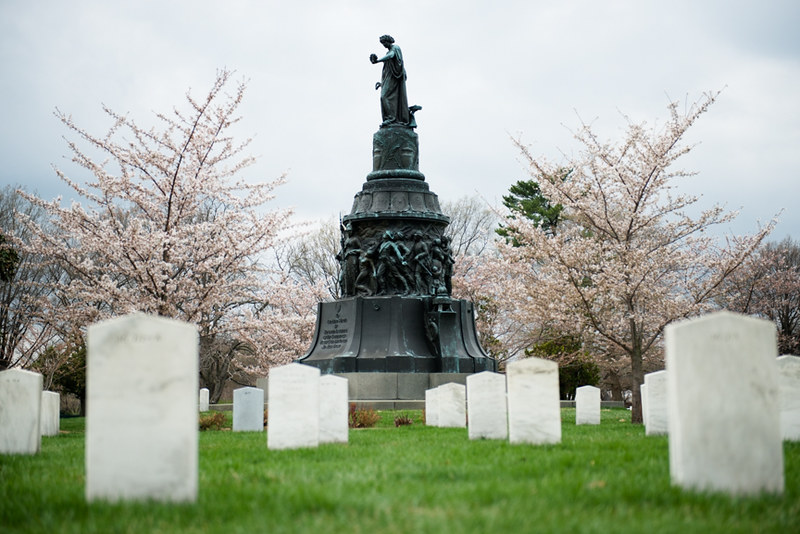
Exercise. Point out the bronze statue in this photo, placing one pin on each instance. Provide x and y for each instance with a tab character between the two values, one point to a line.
395	314
394	100
366	282
447	264
351	265
422	267
392	265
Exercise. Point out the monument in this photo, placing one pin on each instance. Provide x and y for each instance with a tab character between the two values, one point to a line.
396	315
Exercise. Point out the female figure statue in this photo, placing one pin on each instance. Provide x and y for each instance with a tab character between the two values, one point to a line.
394	100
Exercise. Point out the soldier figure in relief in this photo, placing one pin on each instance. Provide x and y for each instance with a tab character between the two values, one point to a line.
392	264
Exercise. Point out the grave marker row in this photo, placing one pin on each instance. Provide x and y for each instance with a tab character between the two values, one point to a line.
305	409
445	406
523	406
728	406
23	420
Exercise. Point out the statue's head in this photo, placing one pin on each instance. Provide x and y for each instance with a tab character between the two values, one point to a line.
386	40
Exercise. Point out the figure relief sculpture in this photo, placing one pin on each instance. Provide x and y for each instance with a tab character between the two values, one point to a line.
422	264
392	265
366	283
438	262
447	264
394	99
351	252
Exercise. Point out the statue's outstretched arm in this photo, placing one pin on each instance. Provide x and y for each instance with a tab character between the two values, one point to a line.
375	59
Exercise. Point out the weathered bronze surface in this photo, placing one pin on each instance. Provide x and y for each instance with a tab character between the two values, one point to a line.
394	100
396	314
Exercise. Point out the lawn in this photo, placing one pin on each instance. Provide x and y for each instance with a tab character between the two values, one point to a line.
608	478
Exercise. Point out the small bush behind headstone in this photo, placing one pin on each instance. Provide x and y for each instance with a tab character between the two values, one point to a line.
213	421
362	417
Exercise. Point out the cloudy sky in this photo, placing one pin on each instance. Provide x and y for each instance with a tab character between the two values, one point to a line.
484	72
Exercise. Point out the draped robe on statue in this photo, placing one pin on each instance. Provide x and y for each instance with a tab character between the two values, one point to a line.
394	101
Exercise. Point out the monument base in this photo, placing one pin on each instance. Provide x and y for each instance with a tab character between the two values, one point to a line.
398	335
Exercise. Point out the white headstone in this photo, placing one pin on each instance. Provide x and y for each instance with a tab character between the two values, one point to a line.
487	406
203	400
643	390
141	409
722	390
587	405
248	410
333	409
657	420
432	407
293	415
789	381
534	409
452	405
20	411
262	382
50	419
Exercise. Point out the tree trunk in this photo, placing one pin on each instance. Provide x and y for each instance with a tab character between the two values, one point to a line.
613	383
637	379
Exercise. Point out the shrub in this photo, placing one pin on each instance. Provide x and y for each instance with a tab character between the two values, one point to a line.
403	420
213	421
580	372
362	417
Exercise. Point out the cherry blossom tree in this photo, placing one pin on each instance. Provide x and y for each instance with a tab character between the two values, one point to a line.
167	226
628	258
480	276
768	285
24	285
310	256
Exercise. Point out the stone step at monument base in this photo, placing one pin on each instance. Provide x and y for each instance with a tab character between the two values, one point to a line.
374	404
379	405
388	386
392	387
603	404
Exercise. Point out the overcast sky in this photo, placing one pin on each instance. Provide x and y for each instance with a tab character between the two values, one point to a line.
482	71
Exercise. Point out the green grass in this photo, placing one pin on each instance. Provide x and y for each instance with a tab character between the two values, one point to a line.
414	478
